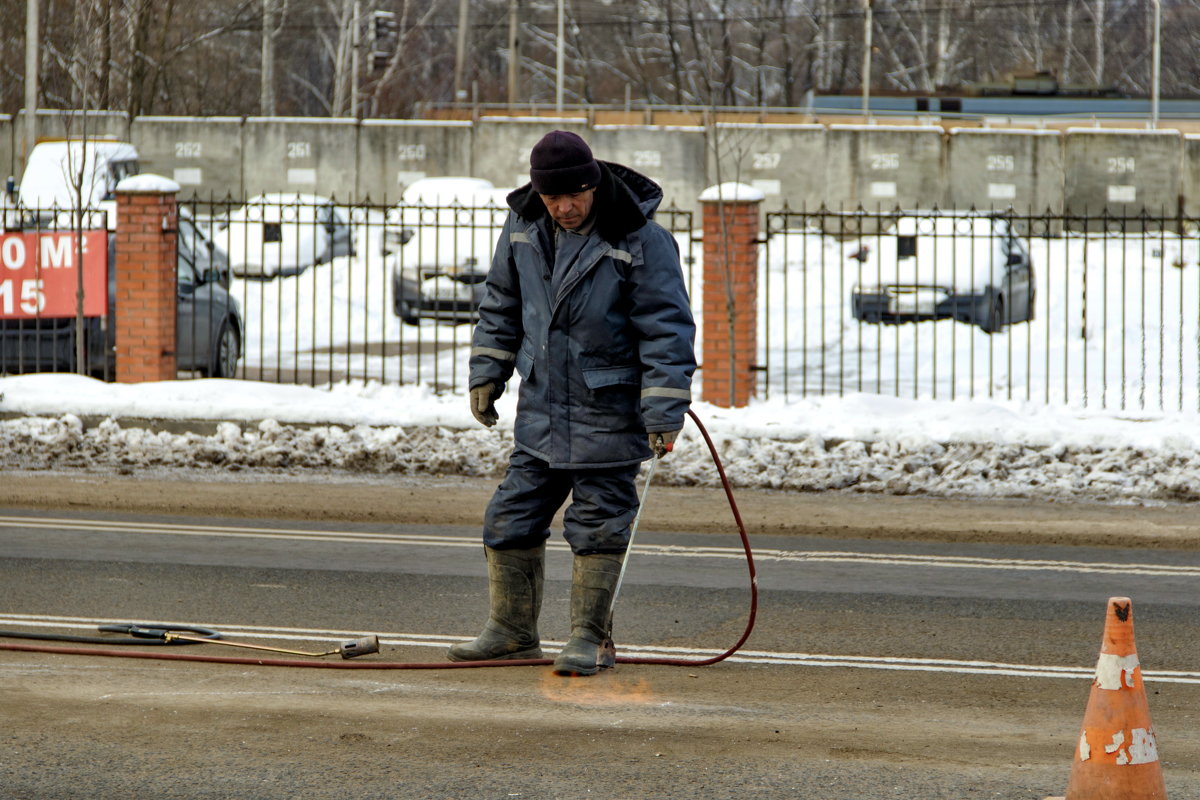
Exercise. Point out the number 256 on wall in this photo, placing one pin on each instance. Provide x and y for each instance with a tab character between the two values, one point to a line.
38	274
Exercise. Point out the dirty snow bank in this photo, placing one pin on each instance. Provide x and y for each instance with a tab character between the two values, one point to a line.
907	463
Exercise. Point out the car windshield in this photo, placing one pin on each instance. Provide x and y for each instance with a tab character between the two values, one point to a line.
963	252
195	257
185	272
123	169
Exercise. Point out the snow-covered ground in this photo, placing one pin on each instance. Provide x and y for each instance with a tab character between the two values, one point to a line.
860	442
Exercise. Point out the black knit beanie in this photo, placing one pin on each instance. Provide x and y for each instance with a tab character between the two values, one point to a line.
562	163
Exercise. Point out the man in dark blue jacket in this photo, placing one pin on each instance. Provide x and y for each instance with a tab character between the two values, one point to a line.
586	300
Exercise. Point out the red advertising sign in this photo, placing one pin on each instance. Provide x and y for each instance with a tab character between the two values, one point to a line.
39	274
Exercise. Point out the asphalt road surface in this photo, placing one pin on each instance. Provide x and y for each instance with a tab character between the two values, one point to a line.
903	648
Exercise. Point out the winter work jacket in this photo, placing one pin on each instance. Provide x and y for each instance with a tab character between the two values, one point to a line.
604	343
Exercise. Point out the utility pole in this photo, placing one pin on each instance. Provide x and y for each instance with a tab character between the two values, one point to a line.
460	93
869	7
1157	65
558	63
355	52
514	56
31	77
266	100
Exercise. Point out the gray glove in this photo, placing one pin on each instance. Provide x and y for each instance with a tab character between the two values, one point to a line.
482	406
663	443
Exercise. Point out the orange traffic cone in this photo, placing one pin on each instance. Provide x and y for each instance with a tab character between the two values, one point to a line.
1117	755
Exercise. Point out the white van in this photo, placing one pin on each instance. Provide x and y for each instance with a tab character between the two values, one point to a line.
65	175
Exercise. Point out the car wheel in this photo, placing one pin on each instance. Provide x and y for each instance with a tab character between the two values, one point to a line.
993	317
406	310
226	352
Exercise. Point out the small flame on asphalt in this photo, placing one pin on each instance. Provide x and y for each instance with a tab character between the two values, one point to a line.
602	689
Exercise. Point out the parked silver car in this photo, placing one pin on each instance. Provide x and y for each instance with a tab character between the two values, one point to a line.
444	232
971	268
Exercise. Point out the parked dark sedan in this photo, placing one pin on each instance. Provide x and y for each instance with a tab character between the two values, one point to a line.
208	319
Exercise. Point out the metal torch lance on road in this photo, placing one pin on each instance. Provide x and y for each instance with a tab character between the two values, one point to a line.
632	533
608	650
355	647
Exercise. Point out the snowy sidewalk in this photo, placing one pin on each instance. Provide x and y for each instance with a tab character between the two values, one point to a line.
860	443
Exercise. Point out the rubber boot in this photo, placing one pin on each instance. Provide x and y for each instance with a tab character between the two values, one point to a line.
593	580
515	592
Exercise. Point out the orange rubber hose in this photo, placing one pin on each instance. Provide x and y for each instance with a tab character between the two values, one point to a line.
393	665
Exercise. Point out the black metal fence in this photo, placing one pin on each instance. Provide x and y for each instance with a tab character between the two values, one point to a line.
1095	311
365	292
59	304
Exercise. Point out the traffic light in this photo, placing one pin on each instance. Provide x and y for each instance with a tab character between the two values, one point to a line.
384	36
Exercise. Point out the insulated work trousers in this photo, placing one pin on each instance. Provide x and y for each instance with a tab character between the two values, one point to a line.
603	504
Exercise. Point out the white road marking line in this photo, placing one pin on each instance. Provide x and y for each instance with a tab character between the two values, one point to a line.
671	551
941	665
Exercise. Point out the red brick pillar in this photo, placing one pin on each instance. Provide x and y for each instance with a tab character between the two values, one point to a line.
145	302
730	293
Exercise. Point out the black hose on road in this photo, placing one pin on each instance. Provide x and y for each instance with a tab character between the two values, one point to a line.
146	633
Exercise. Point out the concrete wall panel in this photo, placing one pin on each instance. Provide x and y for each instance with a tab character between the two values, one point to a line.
1191	174
1022	170
394	153
300	155
883	167
841	166
784	162
1125	171
501	146
202	154
53	124
671	157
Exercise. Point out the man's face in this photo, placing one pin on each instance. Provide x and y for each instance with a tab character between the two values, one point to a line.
570	210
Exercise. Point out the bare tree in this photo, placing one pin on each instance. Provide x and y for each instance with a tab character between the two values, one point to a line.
411	26
338	47
1068	42
80	160
170	56
274	15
